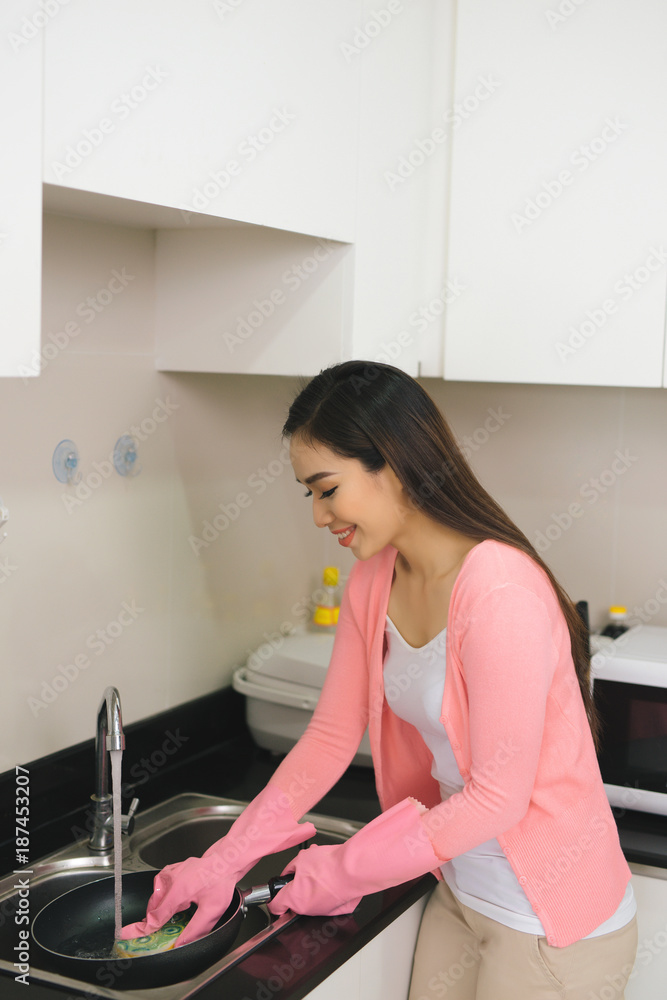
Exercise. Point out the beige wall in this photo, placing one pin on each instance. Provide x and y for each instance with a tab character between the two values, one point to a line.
75	555
601	452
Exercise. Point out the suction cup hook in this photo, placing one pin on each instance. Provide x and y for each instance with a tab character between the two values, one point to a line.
66	462
125	456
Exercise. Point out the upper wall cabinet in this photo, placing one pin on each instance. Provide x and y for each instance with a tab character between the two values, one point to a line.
400	286
292	158
21	187
242	110
558	217
255	299
247	299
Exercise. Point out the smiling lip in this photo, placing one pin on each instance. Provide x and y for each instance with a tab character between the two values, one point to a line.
347	540
339	531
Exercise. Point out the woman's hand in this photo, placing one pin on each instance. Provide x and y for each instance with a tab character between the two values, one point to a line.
266	825
205	881
329	880
315	890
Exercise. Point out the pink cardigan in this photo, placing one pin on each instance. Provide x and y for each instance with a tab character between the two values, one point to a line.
513	712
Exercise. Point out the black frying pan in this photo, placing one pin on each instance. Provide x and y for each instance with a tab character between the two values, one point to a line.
76	932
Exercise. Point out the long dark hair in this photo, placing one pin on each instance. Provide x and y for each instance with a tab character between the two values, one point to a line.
378	414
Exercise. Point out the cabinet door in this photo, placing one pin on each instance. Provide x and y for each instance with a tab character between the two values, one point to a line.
386	961
558	220
382	969
242	109
649	977
21	186
384	298
400	287
248	299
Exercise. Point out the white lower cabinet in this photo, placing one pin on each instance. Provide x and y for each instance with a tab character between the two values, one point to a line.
381	970
648	979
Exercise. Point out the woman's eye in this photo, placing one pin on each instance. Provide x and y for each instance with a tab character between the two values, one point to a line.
328	493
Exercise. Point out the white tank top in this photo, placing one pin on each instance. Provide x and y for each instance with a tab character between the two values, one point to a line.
482	878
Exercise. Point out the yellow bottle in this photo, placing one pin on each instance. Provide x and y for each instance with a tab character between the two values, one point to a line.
618	621
325	616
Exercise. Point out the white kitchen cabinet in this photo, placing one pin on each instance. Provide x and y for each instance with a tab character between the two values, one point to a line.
558	219
400	285
344	982
648	980
381	970
261	301
237	109
21	186
283	291
250	299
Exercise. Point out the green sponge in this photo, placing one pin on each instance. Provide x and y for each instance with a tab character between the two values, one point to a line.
163	939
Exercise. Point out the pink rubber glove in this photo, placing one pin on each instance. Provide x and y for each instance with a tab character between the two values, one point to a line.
266	825
391	849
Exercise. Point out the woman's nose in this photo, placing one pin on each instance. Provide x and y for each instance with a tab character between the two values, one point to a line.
321	514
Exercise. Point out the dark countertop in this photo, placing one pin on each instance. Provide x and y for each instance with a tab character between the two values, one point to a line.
215	755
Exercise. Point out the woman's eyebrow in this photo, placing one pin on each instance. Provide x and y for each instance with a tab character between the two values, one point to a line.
318	475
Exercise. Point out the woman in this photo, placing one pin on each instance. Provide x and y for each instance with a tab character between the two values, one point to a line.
469	664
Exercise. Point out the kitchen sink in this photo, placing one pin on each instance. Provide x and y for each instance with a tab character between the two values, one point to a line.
48	882
191	831
180	827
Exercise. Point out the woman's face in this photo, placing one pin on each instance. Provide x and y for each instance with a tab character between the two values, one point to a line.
345	496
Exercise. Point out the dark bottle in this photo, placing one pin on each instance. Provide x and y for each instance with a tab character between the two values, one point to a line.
618	616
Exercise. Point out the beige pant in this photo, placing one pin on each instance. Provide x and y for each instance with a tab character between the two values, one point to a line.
464	955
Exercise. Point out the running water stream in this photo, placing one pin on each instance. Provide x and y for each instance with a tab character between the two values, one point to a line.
116	758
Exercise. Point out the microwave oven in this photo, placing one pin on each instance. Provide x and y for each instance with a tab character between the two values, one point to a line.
629	681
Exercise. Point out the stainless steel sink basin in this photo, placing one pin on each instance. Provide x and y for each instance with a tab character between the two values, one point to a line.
191	831
178	828
48	882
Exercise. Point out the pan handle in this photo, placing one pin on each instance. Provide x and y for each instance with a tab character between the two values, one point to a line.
265	893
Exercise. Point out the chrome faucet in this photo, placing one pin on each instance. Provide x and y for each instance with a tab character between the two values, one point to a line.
108	736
